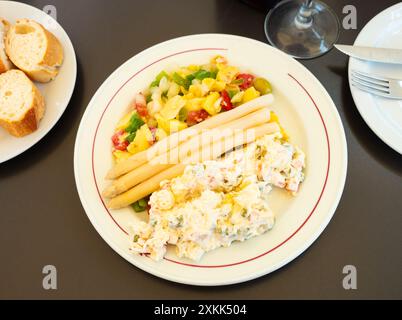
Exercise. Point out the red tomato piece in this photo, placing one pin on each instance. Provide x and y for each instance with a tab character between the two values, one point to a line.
142	111
226	104
247	80
116	138
119	143
141	105
194	117
122	146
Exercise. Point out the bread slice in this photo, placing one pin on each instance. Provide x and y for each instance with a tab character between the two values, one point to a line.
5	63
21	103
34	50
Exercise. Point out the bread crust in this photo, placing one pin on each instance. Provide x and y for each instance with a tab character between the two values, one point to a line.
54	53
41	75
3	68
39	104
48	68
23	127
53	58
30	121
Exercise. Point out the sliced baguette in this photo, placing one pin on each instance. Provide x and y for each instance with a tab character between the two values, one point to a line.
34	50
21	103
5	63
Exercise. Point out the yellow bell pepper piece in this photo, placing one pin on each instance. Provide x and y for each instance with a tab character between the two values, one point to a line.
213	85
250	94
162	122
237	97
170	126
188	96
194	104
198	90
212	103
226	73
141	141
172	107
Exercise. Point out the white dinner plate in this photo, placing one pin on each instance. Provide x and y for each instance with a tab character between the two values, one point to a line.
57	93
307	113
383	116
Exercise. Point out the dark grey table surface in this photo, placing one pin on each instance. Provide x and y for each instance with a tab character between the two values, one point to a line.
42	221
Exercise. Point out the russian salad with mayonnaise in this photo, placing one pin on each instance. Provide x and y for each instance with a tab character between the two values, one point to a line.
217	202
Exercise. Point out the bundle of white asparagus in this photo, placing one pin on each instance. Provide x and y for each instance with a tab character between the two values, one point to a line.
142	173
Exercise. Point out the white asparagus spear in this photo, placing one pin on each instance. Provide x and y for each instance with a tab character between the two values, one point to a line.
176	138
147	187
184	150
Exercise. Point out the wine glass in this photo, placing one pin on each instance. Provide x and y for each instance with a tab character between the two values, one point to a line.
303	29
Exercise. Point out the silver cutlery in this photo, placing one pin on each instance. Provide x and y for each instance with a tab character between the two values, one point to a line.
385	55
377	85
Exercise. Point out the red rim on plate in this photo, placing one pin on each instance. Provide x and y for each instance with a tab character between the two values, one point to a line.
265	252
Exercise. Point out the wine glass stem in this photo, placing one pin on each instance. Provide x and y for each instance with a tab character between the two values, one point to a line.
304	17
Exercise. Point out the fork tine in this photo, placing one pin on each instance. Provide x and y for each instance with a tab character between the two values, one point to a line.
370	84
370	77
370	90
369	81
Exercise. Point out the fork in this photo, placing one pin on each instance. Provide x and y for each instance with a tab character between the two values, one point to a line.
380	86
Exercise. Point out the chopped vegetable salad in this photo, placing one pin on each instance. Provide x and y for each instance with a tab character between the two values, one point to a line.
182	98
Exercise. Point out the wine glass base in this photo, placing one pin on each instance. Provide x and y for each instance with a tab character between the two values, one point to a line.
302	41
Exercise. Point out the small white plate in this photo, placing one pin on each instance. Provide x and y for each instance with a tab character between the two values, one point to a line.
383	116
307	113
57	93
